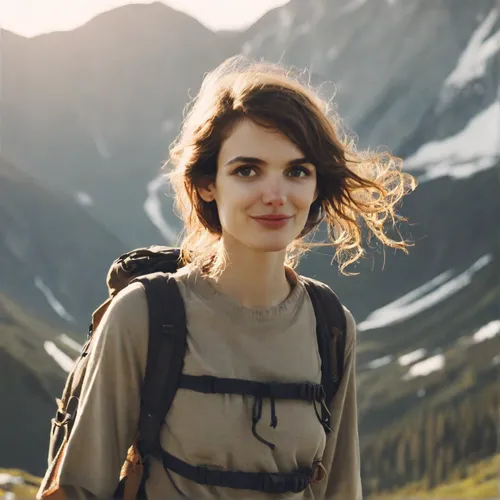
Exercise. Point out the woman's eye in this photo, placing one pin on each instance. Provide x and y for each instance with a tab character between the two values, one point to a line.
246	171
299	171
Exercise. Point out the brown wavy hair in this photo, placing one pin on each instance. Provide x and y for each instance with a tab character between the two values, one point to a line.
358	190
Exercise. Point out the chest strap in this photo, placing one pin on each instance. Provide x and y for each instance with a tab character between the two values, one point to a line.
276	482
206	384
304	391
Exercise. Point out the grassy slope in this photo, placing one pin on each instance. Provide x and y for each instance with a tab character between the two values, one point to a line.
482	481
34	380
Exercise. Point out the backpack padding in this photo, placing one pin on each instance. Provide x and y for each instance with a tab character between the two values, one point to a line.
165	359
331	334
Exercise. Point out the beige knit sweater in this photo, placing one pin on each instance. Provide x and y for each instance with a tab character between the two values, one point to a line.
224	340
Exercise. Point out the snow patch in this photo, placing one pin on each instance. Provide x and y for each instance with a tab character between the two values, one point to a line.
472	62
53	302
475	148
425	367
152	207
403	308
100	142
488	331
420	291
377	363
72	344
421	393
9	479
411	357
84	199
62	359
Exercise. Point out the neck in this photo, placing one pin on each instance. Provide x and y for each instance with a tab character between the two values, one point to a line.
254	279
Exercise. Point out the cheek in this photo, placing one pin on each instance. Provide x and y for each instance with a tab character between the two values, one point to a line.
304	197
237	196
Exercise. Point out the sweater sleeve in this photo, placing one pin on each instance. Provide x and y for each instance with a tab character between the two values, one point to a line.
108	411
341	459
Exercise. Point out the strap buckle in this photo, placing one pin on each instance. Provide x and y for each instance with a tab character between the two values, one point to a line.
64	417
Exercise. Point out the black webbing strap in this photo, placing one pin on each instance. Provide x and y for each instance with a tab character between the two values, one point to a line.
331	334
257	481
279	390
166	350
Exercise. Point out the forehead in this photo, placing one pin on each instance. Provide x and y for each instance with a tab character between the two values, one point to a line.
247	138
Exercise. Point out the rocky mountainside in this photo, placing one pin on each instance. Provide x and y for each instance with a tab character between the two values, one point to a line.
53	262
52	251
418	76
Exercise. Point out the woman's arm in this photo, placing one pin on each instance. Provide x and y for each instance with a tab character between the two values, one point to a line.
108	411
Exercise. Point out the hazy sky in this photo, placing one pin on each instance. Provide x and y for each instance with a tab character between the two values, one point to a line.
32	17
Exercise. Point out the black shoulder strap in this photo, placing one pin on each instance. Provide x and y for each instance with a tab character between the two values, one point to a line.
166	350
331	333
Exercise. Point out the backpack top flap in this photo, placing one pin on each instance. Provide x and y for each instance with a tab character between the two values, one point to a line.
139	262
133	264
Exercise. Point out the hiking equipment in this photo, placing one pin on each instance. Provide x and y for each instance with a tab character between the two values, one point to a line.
153	268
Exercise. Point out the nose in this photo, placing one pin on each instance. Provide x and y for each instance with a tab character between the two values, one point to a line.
274	193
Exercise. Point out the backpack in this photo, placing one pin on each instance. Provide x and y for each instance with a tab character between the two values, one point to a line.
152	267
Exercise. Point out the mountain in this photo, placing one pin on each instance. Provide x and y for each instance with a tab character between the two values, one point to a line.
107	103
53	265
32	357
417	76
55	256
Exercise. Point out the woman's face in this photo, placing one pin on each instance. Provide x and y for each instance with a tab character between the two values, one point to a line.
263	189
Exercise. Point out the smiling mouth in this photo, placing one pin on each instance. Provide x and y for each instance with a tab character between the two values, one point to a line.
272	221
272	217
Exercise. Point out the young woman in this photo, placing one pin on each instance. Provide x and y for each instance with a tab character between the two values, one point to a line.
259	164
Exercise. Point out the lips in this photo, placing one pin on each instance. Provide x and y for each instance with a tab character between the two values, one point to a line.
272	221
272	217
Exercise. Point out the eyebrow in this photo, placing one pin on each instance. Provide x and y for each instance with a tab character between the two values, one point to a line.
259	161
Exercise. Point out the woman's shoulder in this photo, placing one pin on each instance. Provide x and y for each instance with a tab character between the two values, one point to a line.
350	321
133	296
128	309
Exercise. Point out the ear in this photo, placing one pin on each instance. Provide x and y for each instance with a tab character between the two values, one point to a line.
207	192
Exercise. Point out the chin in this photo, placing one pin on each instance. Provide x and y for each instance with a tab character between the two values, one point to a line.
270	246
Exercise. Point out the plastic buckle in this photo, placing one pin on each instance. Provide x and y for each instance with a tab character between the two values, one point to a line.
64	417
60	419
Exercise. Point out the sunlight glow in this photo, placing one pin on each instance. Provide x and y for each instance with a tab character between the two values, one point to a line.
32	17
